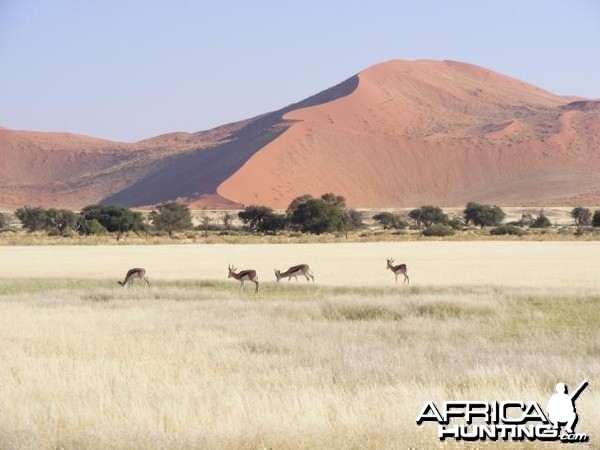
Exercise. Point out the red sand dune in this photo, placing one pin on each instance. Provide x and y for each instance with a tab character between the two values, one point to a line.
397	134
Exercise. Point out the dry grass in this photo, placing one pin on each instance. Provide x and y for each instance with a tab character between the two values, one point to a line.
195	365
346	362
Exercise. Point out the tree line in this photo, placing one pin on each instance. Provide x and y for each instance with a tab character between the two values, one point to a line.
305	214
434	222
102	219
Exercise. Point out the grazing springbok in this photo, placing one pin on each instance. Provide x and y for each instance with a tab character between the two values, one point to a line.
399	269
244	275
294	271
138	272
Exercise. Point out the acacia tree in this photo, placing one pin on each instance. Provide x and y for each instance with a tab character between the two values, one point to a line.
483	215
320	215
171	217
596	219
32	218
582	216
115	219
389	220
60	220
428	215
263	219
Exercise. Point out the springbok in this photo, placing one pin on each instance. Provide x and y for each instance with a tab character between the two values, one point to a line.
244	275
294	271
399	269
138	272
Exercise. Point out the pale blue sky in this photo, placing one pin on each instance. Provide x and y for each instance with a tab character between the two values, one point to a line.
132	69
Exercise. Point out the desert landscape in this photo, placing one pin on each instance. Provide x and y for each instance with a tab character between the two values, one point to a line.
304	225
344	362
397	134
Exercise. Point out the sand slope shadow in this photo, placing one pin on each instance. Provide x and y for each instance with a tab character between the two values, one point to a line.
201	171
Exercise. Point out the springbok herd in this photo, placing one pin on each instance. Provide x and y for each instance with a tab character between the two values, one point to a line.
251	275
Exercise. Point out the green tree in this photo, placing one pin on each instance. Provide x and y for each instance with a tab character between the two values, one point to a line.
389	221
318	216
115	219
32	219
483	215
297	202
428	215
582	216
541	221
171	217
3	221
274	222
335	200
254	217
91	226
60	221
596	219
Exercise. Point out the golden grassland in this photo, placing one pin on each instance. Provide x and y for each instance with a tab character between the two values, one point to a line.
195	365
346	362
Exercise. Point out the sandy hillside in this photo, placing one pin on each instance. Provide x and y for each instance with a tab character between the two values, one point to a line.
399	134
68	170
431	132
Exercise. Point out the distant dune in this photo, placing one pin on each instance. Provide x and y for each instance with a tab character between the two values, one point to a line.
401	133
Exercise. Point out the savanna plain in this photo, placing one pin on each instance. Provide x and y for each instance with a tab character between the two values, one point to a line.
346	362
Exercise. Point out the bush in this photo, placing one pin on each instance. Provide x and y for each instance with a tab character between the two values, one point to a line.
507	229
438	230
3	221
541	221
456	223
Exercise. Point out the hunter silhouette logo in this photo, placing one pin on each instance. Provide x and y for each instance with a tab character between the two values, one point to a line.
507	420
561	407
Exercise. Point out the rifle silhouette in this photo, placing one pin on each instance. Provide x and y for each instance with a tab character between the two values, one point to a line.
579	389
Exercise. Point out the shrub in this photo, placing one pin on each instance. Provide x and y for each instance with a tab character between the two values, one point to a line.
507	229
456	223
438	230
541	221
